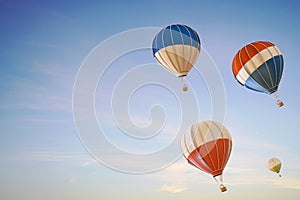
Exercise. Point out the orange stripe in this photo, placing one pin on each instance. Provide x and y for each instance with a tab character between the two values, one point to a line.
246	53
206	157
236	66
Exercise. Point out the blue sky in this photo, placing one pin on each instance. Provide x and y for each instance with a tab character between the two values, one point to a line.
44	43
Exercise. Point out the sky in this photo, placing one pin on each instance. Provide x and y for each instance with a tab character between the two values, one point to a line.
49	150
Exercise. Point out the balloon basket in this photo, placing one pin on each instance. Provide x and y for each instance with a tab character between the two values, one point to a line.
185	88
223	188
280	103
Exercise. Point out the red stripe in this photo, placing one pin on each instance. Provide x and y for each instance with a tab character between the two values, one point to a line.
246	53
212	156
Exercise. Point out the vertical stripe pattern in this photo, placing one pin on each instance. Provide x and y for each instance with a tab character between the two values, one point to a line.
176	47
274	165
207	145
258	66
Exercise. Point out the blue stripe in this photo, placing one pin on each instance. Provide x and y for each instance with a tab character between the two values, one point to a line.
279	67
198	40
159	42
263	81
154	46
181	34
176	34
185	35
167	39
262	76
251	84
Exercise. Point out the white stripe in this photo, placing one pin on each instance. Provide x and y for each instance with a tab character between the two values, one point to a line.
242	76
189	143
176	66
191	40
184	51
256	61
207	131
178	63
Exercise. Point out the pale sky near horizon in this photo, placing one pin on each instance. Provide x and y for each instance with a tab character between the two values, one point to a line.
43	45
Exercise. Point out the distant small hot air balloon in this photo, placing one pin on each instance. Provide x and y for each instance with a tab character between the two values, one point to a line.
274	165
207	146
177	47
259	66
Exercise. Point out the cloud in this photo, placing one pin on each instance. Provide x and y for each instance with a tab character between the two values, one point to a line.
44	45
46	87
177	177
41	120
172	188
89	163
72	180
48	156
286	181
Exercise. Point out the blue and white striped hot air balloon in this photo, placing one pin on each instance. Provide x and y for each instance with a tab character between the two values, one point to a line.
177	47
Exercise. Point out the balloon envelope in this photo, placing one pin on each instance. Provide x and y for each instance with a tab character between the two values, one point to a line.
274	165
258	66
207	145
176	47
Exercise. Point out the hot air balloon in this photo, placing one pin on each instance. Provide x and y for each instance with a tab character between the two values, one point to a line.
207	146
177	47
258	66
274	165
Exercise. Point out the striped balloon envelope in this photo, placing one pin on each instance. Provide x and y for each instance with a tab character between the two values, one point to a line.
177	47
274	165
207	146
258	66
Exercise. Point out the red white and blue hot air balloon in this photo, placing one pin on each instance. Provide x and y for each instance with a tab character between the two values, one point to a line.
259	66
177	47
207	146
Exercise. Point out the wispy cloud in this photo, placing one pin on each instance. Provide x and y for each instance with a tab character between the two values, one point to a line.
54	71
89	163
72	180
48	156
43	44
172	188
283	182
177	177
44	87
255	143
82	159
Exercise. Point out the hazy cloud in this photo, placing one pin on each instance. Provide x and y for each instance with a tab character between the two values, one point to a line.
172	188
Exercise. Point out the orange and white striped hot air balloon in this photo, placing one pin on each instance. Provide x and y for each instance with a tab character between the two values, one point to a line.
207	146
